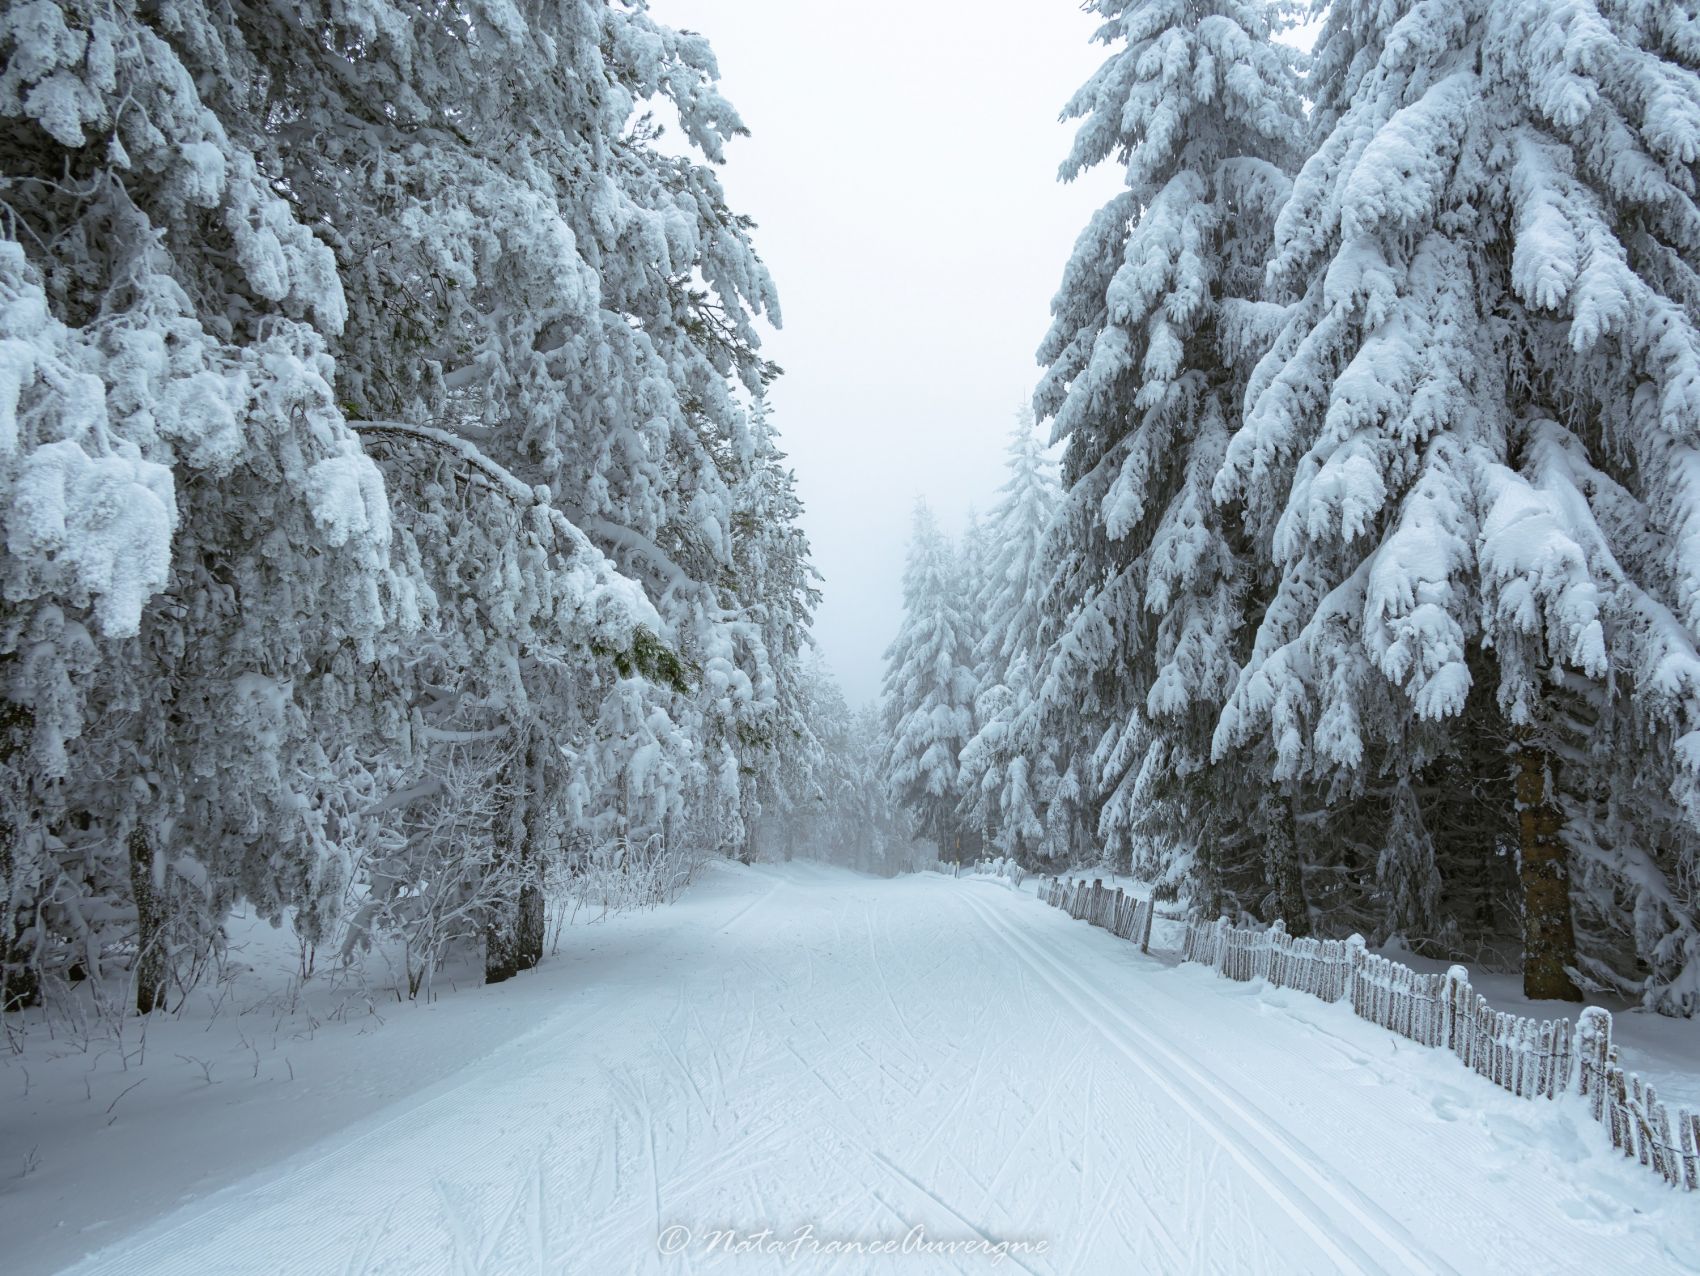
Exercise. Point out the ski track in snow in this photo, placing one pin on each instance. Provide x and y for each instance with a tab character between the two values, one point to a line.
1327	1211
866	1055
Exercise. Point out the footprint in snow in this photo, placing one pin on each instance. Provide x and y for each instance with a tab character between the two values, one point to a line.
1449	1105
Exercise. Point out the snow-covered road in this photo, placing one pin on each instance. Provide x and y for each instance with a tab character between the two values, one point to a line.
795	1046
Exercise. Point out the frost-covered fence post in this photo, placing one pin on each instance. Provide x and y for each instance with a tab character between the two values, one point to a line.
1357	953
1220	957
1688	1142
1265	961
1454	988
1593	1051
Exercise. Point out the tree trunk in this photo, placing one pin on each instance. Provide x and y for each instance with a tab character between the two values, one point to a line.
20	981
1549	935
748	851
20	984
151	968
513	937
1286	872
529	927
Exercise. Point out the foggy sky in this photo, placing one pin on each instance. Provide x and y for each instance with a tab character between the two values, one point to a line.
902	169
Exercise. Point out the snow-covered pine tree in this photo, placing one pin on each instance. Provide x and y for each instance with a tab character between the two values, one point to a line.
974	551
806	785
777	588
1155	328
1001	762
527	637
231	657
1012	593
834	803
1469	458
881	830
529	273
929	691
195	547
973	555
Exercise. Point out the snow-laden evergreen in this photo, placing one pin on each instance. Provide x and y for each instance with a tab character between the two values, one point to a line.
1372	603
389	511
1154	329
1004	766
929	691
1468	460
577	302
778	589
1011	594
833	803
196	548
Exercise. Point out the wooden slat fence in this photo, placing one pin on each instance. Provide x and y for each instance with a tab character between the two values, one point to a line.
1000	868
1116	911
1642	1126
1529	1057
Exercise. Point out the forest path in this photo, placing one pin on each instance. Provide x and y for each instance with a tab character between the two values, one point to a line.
793	1045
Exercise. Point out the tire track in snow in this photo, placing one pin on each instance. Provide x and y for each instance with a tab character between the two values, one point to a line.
1279	1164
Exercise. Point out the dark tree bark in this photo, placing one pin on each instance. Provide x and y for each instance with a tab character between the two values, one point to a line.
20	983
20	980
1549	935
151	966
1286	872
529	926
513	937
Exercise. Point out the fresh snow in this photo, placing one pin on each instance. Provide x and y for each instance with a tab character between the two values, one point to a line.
793	1044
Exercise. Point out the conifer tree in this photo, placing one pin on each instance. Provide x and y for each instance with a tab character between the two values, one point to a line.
1001	766
1466	462
1155	328
385	491
929	691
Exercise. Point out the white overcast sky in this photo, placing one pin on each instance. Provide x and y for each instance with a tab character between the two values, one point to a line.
902	169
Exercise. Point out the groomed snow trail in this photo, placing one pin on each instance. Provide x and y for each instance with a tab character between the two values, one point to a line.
797	1045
